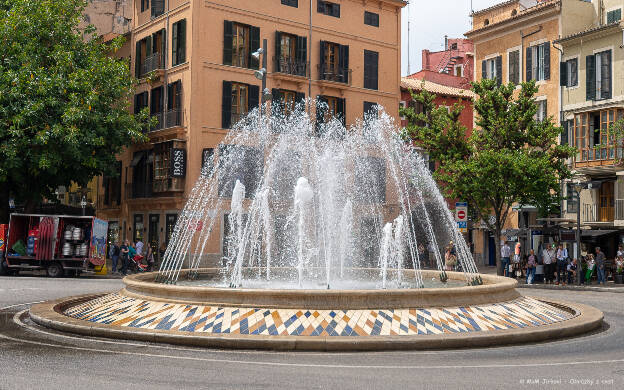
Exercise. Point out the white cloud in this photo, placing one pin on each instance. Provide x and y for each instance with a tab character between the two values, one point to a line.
430	20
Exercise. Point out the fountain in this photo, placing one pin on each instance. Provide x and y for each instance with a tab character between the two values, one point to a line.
321	230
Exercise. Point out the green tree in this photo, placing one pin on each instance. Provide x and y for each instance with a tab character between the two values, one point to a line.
510	157
64	101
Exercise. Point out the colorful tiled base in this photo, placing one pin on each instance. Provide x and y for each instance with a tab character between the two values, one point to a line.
119	310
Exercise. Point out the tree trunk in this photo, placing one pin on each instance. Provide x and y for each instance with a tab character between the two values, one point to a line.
4	202
499	264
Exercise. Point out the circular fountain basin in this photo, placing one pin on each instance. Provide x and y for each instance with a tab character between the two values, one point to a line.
455	293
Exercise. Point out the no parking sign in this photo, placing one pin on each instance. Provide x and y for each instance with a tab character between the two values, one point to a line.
461	216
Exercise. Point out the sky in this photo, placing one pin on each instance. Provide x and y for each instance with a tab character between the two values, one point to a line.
430	20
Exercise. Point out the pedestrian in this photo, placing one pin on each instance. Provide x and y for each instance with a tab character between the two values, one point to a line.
505	258
531	264
149	257
548	258
562	264
114	255
600	265
423	256
517	270
572	269
161	252
139	247
124	250
620	251
591	264
450	257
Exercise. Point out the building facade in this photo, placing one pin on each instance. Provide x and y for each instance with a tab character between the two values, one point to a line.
198	79
457	60
592	102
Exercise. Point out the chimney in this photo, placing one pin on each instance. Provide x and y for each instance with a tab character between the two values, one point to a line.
425	59
446	42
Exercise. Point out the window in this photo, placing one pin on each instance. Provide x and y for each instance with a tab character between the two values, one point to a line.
292	56
371	108
492	69
328	107
142	174
170	222
334	64
174	104
614	16
327	8
165	177
592	135
402	105
598	76
156	107
178	43
144	5
284	101
112	187
566	129
458	70
371	69
514	66
142	52
207	160
371	19
568	74
542	112
138	227
158	8
292	3
571	198
239	42
238	100
140	101
538	62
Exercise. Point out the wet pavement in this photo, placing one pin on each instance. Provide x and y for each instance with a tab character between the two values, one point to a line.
32	357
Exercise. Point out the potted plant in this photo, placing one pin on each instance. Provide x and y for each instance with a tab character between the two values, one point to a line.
618	278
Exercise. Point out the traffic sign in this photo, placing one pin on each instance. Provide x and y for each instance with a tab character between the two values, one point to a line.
462	226
461	211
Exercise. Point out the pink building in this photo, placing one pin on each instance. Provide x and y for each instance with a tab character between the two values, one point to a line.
453	66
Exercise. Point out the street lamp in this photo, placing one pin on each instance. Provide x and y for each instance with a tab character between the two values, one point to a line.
262	73
578	186
83	204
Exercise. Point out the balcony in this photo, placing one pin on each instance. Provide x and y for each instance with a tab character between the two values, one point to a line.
152	63
173	119
334	75
290	66
592	213
104	203
619	209
138	190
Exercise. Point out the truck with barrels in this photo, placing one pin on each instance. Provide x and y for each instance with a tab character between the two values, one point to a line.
59	244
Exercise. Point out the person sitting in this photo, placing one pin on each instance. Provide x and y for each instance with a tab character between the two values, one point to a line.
572	267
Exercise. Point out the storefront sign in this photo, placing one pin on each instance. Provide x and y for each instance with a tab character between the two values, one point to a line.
567	235
177	167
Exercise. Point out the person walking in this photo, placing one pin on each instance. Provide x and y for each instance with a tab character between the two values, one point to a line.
548	259
562	264
505	258
149	257
139	247
114	255
450	257
600	266
591	264
531	265
517	269
124	250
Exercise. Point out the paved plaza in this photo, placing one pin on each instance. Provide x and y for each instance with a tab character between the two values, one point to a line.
35	357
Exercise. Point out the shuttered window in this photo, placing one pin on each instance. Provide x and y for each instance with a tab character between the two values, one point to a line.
291	53
334	62
144	5
541	113
328	107
328	8
140	101
174	104
239	42
371	19
514	67
371	109
292	3
568	73
178	43
158	8
492	69
614	16
538	62
238	99
371	69
598	76
284	100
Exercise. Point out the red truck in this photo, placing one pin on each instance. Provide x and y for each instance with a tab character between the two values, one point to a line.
58	244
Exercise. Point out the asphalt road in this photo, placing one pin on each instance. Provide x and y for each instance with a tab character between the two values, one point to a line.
32	357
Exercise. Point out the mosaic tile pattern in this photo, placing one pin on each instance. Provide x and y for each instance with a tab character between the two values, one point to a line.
115	309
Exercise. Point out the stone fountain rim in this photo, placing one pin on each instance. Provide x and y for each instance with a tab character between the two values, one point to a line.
494	290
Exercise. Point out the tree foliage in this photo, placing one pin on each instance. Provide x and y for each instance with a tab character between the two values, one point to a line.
510	157
64	101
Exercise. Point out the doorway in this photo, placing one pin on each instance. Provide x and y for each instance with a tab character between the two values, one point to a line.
606	202
491	251
153	236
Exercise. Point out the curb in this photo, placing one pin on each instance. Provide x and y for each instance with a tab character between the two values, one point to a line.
49	314
572	288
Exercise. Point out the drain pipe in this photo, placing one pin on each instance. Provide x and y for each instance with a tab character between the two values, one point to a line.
561	114
165	75
310	64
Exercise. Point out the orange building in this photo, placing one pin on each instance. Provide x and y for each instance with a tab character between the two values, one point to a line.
198	77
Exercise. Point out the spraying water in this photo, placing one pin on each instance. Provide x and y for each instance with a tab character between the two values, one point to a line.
315	205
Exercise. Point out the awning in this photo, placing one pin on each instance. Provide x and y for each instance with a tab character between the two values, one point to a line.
596	233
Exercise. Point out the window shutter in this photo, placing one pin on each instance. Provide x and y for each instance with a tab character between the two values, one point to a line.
182	41
336	10
254	39
175	37
170	96
278	51
226	105
136	103
227	42
178	94
148	46
302	55
322	60
144	99
563	74
343	63
321	107
574	72
564	131
163	47
341	110
300	97
605	73
484	69
590	78
253	98
371	61
320	6
137	60
529	64
277	95
499	70
547	61
370	108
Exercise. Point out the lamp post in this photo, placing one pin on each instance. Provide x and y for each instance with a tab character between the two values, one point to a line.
577	188
83	204
262	73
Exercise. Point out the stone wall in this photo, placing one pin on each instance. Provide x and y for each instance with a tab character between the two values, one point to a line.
109	16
